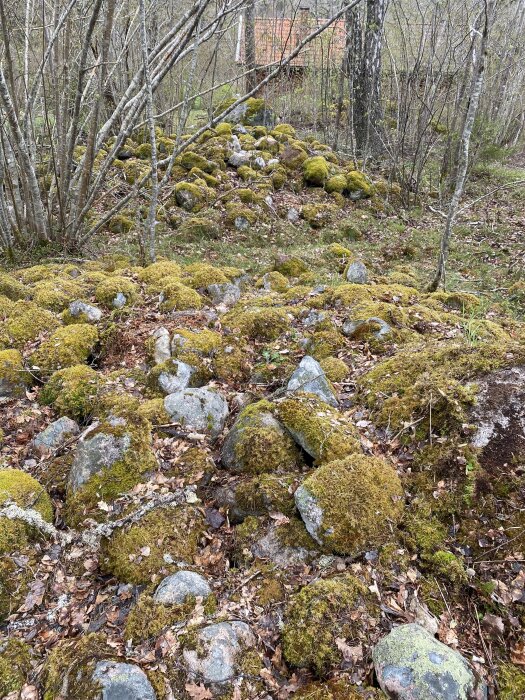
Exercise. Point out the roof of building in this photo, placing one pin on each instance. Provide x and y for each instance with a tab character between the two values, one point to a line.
277	37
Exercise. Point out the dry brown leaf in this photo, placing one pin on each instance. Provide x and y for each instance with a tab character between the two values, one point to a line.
198	692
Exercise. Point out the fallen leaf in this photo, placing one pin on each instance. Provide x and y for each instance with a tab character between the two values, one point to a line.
198	692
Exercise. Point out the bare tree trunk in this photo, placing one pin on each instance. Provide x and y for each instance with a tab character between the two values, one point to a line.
249	45
463	159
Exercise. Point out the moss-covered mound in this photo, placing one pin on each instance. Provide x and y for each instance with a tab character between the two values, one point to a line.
13	376
66	347
322	431
320	613
72	391
25	322
150	549
15	664
351	504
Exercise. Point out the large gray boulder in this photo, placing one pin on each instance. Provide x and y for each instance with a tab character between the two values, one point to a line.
309	377
499	415
177	378
95	453
175	589
226	293
55	435
121	681
202	409
357	273
219	650
411	664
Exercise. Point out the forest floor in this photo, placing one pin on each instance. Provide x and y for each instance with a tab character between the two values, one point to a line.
68	587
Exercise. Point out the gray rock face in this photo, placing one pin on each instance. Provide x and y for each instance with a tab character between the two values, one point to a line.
55	435
162	351
357	273
239	158
293	215
376	326
119	301
270	548
94	454
219	651
201	409
177	379
412	665
230	456
311	512
174	589
120	681
313	318
92	313
499	415
256	117
227	293
309	377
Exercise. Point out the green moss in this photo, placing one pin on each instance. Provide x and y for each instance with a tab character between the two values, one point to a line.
279	178
511	682
201	275
246	173
66	347
337	183
26	322
126	472
106	291
152	274
315	171
258	324
56	294
360	498
236	215
293	157
266	494
153	410
177	296
190	196
15	665
22	489
72	391
335	369
317	215
71	664
321	430
203	342
13	289
273	281
320	613
190	159
120	223
325	343
283	130
290	266
223	129
449	566
170	533
13	377
199	229
231	363
338	689
358	182
402	389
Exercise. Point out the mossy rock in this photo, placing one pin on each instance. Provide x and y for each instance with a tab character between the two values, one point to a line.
203	342
12	289
290	266
267	493
401	389
335	369
26	322
15	665
201	275
66	347
283	130
338	689
321	612
324	343
152	274
231	363
171	534
258	324
120	223
511	682
103	476
107	292
318	215
322	431
72	391
273	281
357	183
315	171
199	229
336	183
13	377
176	296
20	488
239	216
56	294
191	196
351	504
293	157
190	159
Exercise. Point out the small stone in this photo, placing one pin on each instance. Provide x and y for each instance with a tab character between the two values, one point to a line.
411	664
119	301
293	215
173	381
313	318
376	326
55	435
92	313
259	162
227	293
174	589
121	681
309	377
219	650
357	273
162	351
201	409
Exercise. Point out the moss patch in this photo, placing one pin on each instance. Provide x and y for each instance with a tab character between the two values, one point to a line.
15	665
72	391
68	346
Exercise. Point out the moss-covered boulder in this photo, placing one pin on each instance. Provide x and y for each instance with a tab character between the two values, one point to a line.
358	185
72	391
109	461
150	549
258	443
321	612
265	323
12	288
155	272
56	293
19	487
66	347
116	292
15	665
13	377
176	296
290	266
190	196
24	323
120	223
191	159
322	431
315	171
351	504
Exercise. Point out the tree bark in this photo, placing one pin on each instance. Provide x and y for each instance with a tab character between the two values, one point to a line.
249	45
